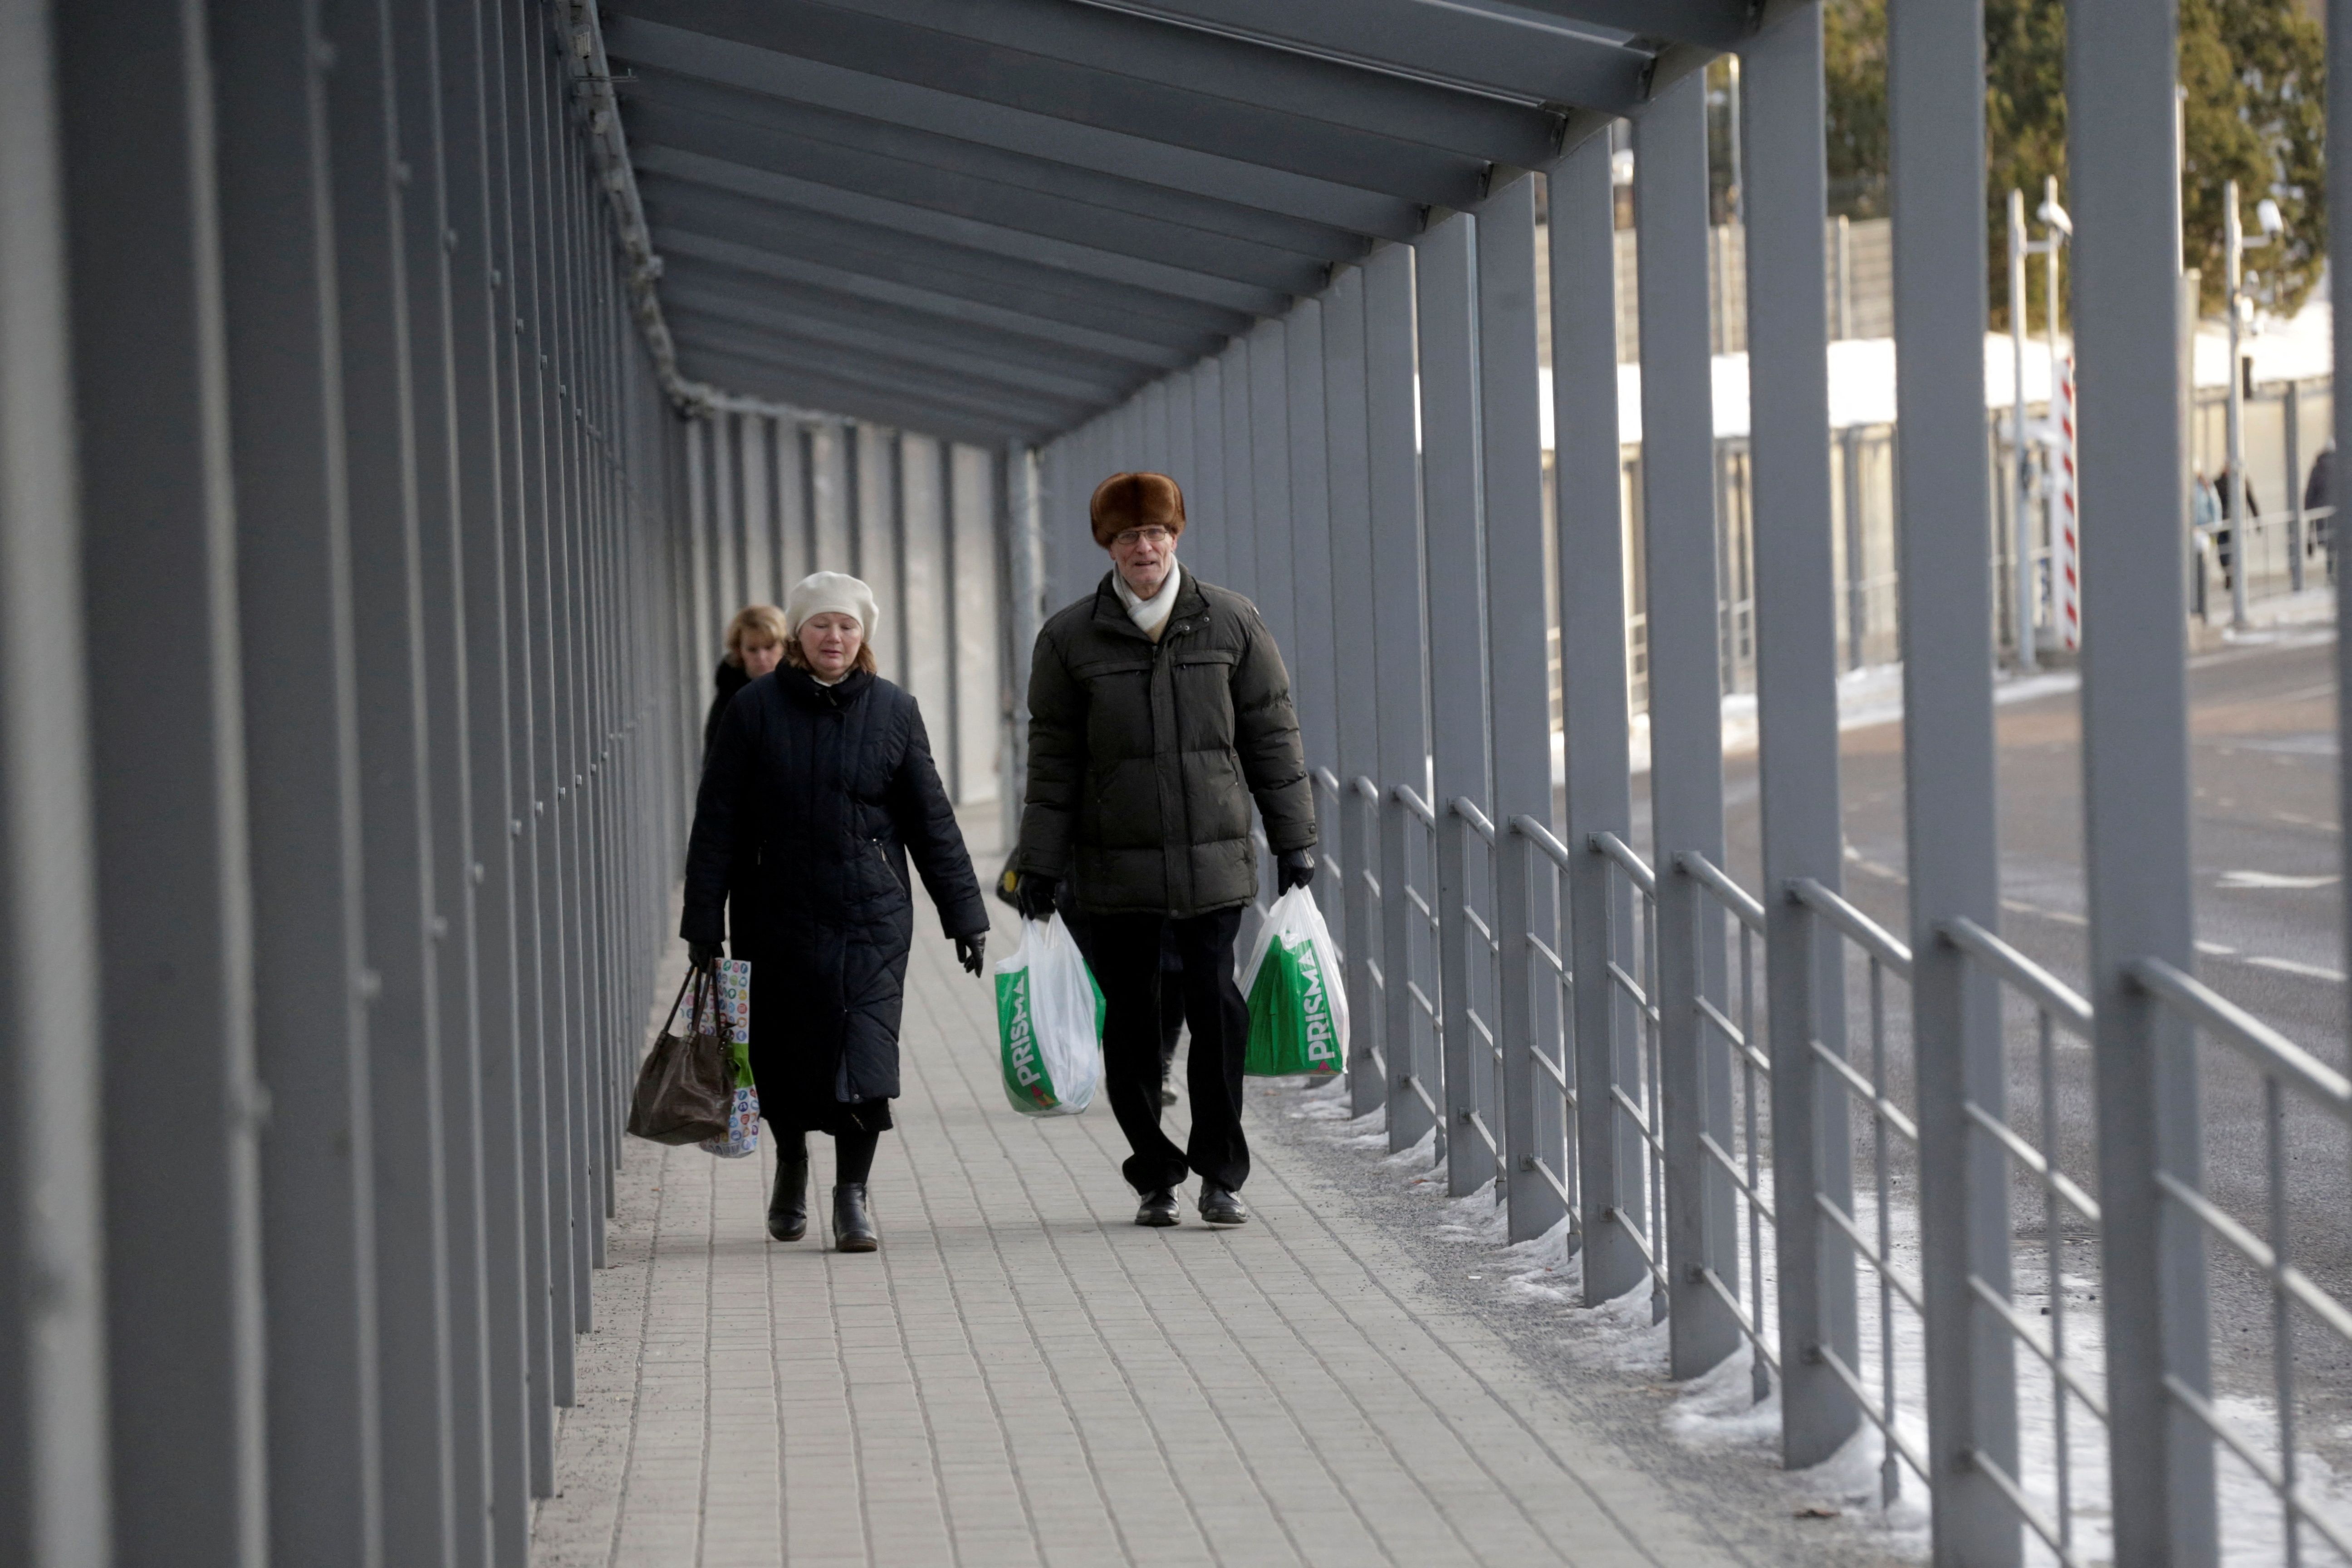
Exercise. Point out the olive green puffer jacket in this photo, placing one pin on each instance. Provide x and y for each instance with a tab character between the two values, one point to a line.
1143	758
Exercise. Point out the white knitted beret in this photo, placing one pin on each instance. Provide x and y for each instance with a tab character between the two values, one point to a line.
837	591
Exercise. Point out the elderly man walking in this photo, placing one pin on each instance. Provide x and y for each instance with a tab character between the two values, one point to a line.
1159	710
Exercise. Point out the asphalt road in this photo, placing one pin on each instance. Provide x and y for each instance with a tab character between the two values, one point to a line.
2265	849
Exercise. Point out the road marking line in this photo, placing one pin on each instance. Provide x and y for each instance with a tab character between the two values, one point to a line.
2215	950
2289	966
2020	906
2248	880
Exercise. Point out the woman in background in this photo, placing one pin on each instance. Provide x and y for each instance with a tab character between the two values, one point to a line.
755	644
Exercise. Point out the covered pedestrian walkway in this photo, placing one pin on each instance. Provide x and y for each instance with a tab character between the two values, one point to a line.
398	397
1024	1377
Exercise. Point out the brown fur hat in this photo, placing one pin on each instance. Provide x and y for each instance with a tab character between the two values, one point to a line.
1136	500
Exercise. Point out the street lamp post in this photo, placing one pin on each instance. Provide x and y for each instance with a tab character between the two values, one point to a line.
2233	234
2056	228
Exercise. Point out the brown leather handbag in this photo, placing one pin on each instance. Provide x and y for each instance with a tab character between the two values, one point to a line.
686	1085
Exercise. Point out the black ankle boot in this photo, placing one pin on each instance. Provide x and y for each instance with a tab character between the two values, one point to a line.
788	1203
852	1231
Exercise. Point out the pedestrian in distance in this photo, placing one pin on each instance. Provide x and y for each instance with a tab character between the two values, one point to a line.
2319	507
755	646
1159	712
818	792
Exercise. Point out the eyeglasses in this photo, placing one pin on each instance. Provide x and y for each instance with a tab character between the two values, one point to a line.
1157	538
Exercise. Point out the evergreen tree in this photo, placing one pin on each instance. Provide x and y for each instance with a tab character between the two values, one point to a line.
2254	73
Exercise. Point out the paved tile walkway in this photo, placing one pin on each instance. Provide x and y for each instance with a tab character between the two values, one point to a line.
1021	1376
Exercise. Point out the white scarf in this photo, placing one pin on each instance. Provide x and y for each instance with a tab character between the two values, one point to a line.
1149	614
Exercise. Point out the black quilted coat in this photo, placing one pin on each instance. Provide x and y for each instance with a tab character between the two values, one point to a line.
1144	757
813	800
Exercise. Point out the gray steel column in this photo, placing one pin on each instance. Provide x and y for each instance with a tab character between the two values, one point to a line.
1209	551
2124	184
700	534
1781	104
1590	561
1155	424
1356	717
976	667
564	191
1452	501
370	159
1314	666
300	752
473	174
830	526
1670	196
1943	497
758	446
2339	229
1181	464
546	1225
166	786
791	508
727	516
536	554
1398	668
1237	517
429	238
1519	685
56	1496
1270	459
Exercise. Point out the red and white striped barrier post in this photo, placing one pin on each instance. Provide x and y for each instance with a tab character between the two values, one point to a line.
2069	586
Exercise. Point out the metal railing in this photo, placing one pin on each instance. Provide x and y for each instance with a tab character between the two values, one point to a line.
1636	1101
1749	1084
1418	1066
1887	1128
1475	1068
2290	1079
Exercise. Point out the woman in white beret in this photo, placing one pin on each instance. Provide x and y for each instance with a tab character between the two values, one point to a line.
818	791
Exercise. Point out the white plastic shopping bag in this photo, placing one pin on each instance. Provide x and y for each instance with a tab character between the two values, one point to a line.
1049	1020
1297	1007
733	976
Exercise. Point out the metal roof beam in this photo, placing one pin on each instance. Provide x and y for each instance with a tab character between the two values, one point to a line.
1144	159
1215	95
815	137
1715	25
894	381
796	320
1096	302
825	395
1541	61
693	254
656	128
786	190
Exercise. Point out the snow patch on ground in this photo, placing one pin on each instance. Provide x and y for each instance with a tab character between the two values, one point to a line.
1863	1484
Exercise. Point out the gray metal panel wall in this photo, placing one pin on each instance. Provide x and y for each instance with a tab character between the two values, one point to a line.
55	1496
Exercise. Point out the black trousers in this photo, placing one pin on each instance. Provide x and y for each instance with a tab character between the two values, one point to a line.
1126	967
1171	974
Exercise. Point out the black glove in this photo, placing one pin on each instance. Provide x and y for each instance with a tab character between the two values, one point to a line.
970	951
1034	896
1298	869
703	955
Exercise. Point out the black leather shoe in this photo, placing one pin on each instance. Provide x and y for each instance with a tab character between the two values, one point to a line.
1158	1207
788	1202
852	1231
1222	1205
